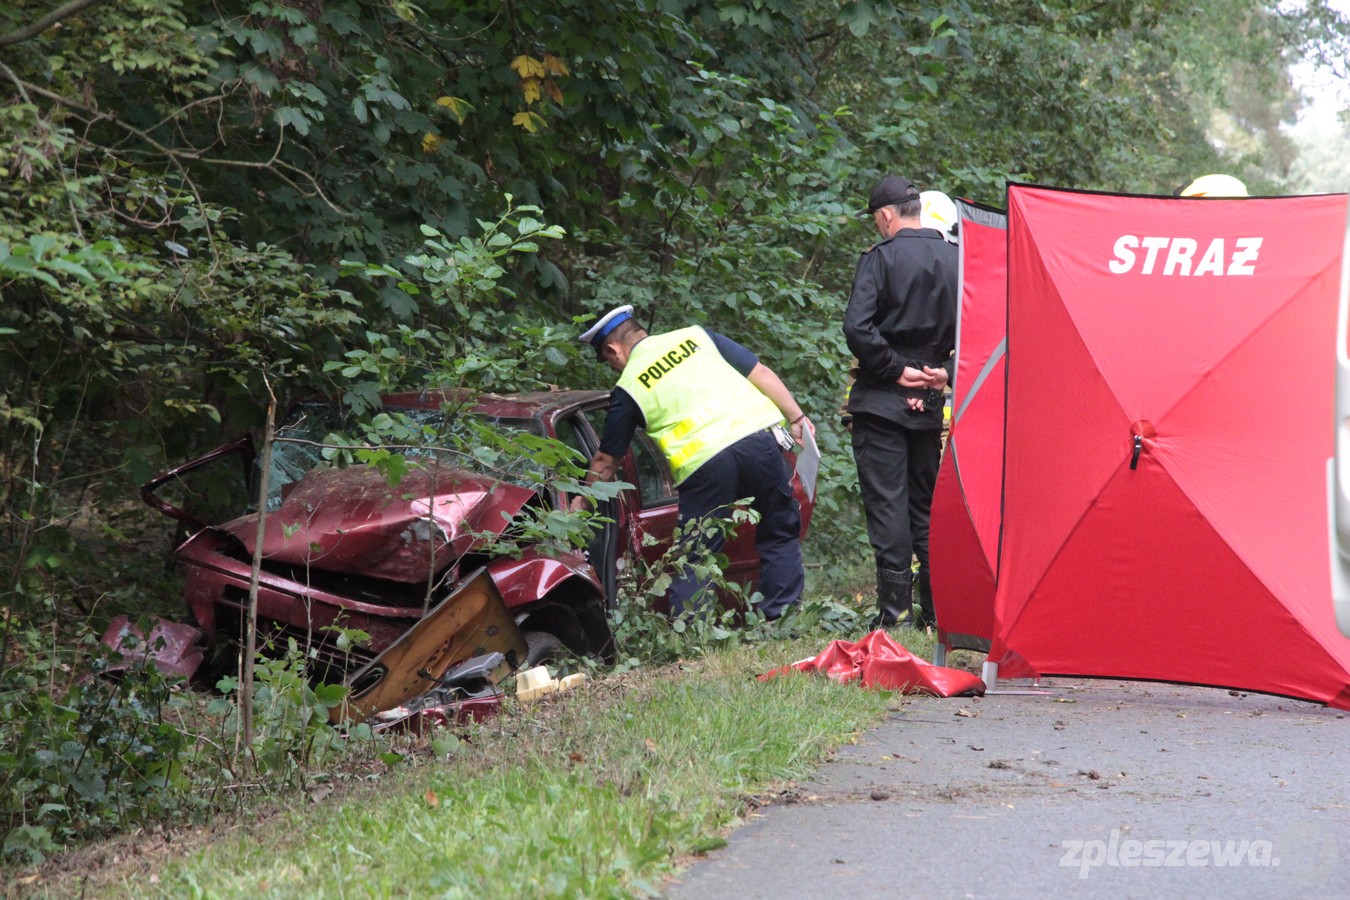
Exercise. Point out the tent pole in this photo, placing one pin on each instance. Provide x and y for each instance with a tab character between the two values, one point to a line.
990	675
1338	466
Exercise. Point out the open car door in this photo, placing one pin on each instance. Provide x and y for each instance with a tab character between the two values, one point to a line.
241	447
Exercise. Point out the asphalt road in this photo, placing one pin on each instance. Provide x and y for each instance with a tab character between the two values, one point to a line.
1090	788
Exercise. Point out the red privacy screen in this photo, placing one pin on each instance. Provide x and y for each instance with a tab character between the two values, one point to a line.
1167	407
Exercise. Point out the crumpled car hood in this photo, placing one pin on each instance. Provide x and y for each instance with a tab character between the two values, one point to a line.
351	521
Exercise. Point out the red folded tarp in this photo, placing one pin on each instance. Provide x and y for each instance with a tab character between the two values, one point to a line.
881	662
1166	440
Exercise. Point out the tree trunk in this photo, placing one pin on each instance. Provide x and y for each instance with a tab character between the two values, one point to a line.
250	636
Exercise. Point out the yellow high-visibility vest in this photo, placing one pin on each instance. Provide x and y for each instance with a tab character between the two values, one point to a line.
694	402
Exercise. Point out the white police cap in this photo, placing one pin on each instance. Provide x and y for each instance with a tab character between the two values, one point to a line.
604	325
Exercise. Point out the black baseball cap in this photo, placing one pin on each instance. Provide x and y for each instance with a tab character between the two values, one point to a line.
890	191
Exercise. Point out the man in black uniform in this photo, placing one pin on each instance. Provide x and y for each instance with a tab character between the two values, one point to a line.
901	325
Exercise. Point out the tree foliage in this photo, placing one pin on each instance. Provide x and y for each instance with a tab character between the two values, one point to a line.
196	195
204	203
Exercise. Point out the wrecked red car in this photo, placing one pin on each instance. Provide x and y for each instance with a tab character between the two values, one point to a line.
342	548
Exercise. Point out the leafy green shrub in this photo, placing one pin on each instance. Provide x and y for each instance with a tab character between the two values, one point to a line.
85	757
820	616
291	718
721	615
82	756
644	636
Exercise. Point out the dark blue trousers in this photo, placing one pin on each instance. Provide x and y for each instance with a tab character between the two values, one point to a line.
752	467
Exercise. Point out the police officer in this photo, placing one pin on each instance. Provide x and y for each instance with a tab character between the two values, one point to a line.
711	405
901	325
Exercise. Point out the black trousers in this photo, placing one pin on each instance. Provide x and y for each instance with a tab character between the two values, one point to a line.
897	471
752	467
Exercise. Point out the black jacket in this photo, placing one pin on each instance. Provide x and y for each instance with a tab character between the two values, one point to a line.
902	311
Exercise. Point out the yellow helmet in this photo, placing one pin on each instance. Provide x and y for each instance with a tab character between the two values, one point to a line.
1215	186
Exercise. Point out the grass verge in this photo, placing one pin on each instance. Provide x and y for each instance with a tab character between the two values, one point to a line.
601	792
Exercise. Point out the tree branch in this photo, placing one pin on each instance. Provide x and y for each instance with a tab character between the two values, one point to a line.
278	168
70	203
47	21
169	154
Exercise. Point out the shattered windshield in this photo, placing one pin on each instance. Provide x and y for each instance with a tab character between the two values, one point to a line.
324	434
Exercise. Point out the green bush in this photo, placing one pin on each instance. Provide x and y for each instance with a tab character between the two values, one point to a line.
83	756
292	730
645	637
85	751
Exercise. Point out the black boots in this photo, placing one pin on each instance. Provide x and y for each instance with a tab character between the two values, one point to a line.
925	617
895	600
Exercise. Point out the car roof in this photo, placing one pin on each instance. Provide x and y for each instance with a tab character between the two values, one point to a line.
528	405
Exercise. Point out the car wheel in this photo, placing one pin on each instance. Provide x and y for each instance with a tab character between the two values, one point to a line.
541	647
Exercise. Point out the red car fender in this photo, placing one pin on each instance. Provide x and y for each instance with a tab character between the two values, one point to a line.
533	576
